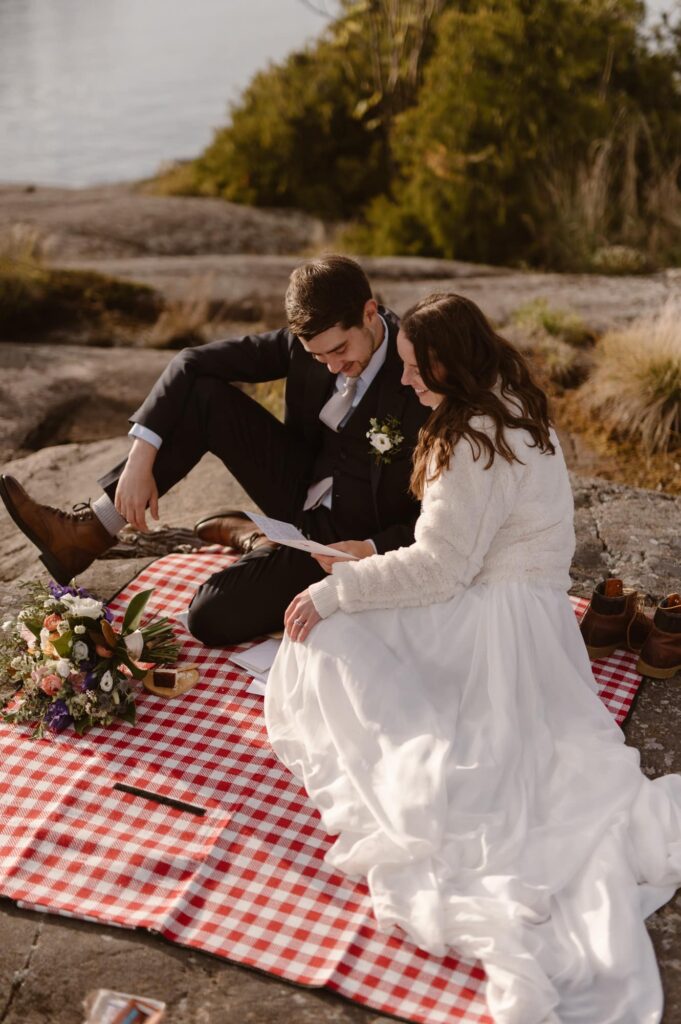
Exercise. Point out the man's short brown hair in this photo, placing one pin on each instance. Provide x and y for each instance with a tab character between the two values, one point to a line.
324	292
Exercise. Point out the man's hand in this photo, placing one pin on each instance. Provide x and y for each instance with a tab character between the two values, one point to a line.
137	487
301	615
359	548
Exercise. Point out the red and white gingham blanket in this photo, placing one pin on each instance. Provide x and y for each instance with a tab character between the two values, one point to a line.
247	881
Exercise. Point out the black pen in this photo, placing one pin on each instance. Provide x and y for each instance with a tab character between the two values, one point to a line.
168	801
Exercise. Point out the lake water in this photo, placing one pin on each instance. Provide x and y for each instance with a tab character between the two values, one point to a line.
94	91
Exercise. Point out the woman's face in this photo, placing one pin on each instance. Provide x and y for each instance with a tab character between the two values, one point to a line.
411	375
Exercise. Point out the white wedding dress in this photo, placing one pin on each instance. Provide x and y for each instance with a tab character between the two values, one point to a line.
460	754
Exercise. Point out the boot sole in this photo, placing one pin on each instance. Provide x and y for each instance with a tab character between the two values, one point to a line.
652	672
56	571
600	652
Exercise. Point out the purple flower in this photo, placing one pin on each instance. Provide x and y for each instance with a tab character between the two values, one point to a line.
91	682
57	716
58	591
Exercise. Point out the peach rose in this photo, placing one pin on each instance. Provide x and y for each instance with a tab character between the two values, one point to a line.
51	622
51	685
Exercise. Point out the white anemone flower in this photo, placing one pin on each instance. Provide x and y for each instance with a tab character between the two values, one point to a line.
106	682
79	651
381	442
83	607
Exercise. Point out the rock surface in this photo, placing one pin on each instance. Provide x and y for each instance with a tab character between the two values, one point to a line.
49	395
122	220
252	287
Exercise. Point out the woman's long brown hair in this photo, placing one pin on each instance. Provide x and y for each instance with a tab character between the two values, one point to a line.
478	372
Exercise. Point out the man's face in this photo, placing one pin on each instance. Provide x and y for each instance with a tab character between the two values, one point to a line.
348	350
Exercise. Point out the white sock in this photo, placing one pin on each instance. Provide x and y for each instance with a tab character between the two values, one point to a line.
105	510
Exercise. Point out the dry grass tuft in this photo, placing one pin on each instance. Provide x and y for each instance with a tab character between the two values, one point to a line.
270	394
185	321
24	244
610	217
538	316
635	387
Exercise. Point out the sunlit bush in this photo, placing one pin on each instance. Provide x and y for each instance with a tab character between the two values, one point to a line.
635	387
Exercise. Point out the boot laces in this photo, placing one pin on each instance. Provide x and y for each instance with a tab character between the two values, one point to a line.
82	510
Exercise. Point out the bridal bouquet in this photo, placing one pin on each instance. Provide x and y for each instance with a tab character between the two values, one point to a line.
62	661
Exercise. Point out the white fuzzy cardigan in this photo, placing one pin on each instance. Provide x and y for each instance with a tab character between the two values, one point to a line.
513	521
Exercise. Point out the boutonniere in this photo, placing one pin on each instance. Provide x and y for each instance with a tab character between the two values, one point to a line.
385	438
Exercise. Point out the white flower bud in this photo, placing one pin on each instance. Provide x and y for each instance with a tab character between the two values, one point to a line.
64	668
79	630
134	644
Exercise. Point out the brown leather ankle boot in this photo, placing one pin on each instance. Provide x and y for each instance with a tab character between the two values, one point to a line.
661	653
232	529
68	541
614	620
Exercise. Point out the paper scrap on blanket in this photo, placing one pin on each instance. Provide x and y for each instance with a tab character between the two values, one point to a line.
257	661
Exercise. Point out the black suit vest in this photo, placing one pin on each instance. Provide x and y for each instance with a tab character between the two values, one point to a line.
344	456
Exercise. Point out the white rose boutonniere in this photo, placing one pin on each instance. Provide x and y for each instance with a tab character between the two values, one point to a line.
385	438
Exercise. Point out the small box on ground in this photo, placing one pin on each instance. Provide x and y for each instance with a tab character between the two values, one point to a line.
105	1006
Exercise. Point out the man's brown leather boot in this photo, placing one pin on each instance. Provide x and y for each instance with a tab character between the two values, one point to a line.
68	541
232	529
661	653
614	620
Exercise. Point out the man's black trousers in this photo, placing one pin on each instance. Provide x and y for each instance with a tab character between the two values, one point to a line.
250	597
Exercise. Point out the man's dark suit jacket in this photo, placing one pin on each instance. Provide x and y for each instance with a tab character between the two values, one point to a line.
280	355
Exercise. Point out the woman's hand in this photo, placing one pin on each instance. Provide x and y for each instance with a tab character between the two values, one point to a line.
301	615
136	487
358	548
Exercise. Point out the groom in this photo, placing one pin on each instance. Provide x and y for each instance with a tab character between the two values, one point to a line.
317	469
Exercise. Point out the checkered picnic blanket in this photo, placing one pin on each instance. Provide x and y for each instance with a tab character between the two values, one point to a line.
247	881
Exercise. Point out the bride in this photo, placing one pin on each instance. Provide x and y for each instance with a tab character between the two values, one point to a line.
438	705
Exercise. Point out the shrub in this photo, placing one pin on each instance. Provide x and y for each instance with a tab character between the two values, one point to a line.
541	132
620	259
512	91
296	139
538	315
37	298
635	387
